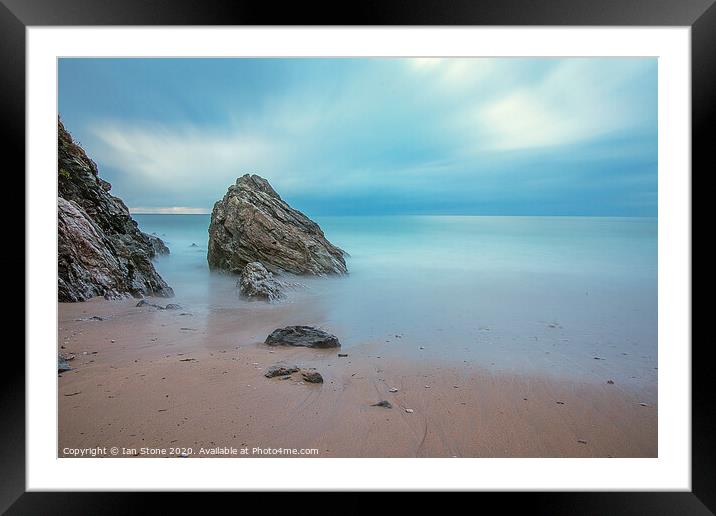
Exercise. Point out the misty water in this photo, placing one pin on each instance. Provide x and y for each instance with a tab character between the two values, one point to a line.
572	297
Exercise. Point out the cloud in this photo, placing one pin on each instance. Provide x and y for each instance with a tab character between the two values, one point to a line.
178	160
342	134
578	100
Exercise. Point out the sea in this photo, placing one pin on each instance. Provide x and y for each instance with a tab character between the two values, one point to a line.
569	297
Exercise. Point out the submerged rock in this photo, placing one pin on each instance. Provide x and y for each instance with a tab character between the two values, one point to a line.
258	283
101	251
306	336
253	224
383	403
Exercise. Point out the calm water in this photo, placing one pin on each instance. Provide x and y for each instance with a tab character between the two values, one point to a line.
533	294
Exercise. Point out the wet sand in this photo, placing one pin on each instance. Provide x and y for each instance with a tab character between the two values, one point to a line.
170	380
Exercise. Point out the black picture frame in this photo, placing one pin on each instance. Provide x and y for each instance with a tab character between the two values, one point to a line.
700	15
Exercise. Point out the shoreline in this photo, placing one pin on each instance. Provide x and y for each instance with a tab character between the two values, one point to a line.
156	379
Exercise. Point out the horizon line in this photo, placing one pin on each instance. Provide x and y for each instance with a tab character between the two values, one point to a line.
200	211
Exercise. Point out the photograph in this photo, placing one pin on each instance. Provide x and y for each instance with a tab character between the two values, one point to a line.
357	257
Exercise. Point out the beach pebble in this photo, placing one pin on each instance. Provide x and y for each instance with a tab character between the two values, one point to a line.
610	382
581	441
280	370
312	376
342	354
427	386
644	404
409	410
393	389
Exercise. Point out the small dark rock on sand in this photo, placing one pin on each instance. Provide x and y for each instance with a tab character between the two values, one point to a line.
280	370
62	364
383	403
312	376
170	306
306	336
147	303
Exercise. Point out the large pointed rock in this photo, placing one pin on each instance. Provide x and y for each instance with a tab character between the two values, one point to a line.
253	224
101	251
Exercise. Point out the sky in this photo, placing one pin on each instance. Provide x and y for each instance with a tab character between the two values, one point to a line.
373	136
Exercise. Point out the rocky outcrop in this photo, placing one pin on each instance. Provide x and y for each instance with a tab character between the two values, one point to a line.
306	336
258	283
101	251
253	224
157	244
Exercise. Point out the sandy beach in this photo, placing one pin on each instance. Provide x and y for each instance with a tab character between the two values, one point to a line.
168	380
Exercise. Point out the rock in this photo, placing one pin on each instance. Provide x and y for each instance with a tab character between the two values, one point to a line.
393	389
101	251
157	244
343	354
193	245
62	364
253	224
258	283
581	441
610	382
312	376
409	410
306	336
280	370
147	303
383	403
172	306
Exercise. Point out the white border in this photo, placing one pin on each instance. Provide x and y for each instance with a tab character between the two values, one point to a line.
672	470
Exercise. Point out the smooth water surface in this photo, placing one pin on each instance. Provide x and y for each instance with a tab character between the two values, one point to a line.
573	297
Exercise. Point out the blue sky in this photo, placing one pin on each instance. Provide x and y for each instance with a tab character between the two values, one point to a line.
507	136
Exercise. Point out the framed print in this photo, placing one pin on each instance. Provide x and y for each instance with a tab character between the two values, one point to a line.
443	249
